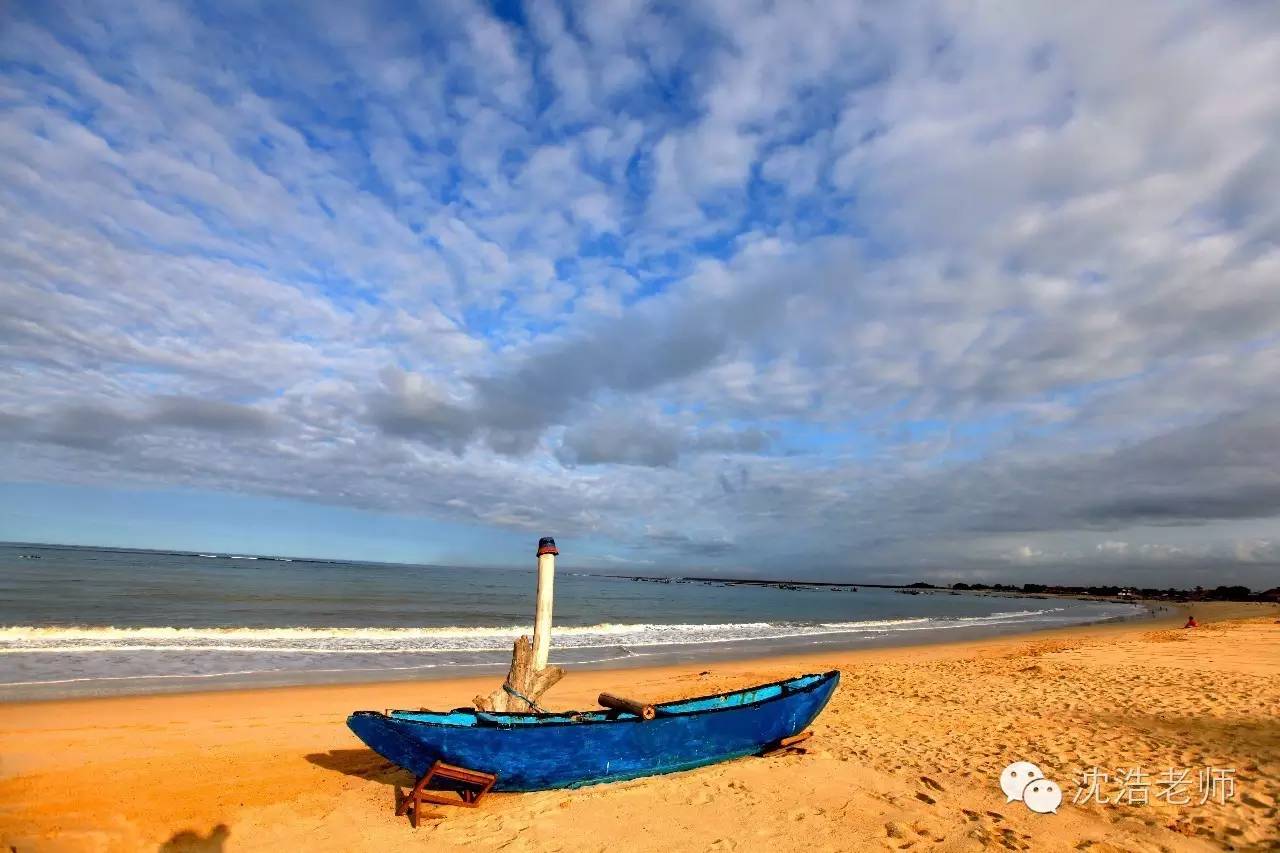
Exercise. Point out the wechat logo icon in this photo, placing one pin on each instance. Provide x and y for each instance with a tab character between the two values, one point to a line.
1024	781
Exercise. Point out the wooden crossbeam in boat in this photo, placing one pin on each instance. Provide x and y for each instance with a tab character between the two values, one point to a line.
643	710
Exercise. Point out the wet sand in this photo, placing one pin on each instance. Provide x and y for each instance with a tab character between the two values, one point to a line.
907	756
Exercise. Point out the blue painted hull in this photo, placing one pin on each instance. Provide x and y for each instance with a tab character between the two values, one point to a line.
533	752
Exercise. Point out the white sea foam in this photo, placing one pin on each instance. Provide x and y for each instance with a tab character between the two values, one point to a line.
62	660
304	640
21	633
309	672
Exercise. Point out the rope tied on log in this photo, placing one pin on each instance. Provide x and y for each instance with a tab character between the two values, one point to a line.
523	698
523	683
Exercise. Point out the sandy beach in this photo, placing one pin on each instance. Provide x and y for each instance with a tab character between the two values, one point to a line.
907	756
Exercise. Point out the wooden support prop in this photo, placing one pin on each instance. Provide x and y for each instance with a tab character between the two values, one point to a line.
795	739
788	744
470	785
620	703
529	676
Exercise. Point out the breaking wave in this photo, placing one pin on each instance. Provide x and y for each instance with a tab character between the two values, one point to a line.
96	660
400	640
48	640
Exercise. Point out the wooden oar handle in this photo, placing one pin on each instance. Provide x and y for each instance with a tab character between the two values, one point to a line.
618	703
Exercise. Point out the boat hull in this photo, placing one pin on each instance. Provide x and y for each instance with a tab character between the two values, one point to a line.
530	753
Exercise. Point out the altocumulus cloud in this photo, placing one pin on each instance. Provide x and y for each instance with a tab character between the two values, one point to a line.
845	289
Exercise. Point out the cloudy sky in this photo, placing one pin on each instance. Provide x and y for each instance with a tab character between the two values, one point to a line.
956	290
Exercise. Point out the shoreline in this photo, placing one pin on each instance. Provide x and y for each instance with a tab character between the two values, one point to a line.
928	647
259	768
924	649
725	653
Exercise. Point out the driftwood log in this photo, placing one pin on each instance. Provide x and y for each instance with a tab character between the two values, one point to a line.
643	710
524	679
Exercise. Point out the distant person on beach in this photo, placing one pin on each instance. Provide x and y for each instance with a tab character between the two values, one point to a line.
1191	623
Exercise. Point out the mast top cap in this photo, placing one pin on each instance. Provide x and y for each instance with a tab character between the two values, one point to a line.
547	545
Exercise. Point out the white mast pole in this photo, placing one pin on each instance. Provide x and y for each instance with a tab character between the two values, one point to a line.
547	552
530	676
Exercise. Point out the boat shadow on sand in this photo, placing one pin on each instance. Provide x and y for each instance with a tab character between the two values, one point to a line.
364	764
367	764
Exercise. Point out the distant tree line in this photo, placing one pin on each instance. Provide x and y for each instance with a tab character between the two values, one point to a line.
1220	593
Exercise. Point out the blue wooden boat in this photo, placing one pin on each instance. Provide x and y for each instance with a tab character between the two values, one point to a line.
533	752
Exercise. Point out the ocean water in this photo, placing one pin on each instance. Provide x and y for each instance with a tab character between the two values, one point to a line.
81	621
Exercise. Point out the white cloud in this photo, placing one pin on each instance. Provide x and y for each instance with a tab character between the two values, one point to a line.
975	273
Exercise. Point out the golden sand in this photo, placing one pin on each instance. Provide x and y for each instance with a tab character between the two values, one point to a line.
906	757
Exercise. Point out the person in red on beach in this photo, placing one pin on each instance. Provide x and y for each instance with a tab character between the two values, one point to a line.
1191	623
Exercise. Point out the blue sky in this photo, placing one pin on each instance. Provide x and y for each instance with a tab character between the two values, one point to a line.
834	289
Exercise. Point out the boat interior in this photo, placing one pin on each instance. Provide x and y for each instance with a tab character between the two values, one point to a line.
470	717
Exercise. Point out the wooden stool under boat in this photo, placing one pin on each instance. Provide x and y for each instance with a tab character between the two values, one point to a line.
470	786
